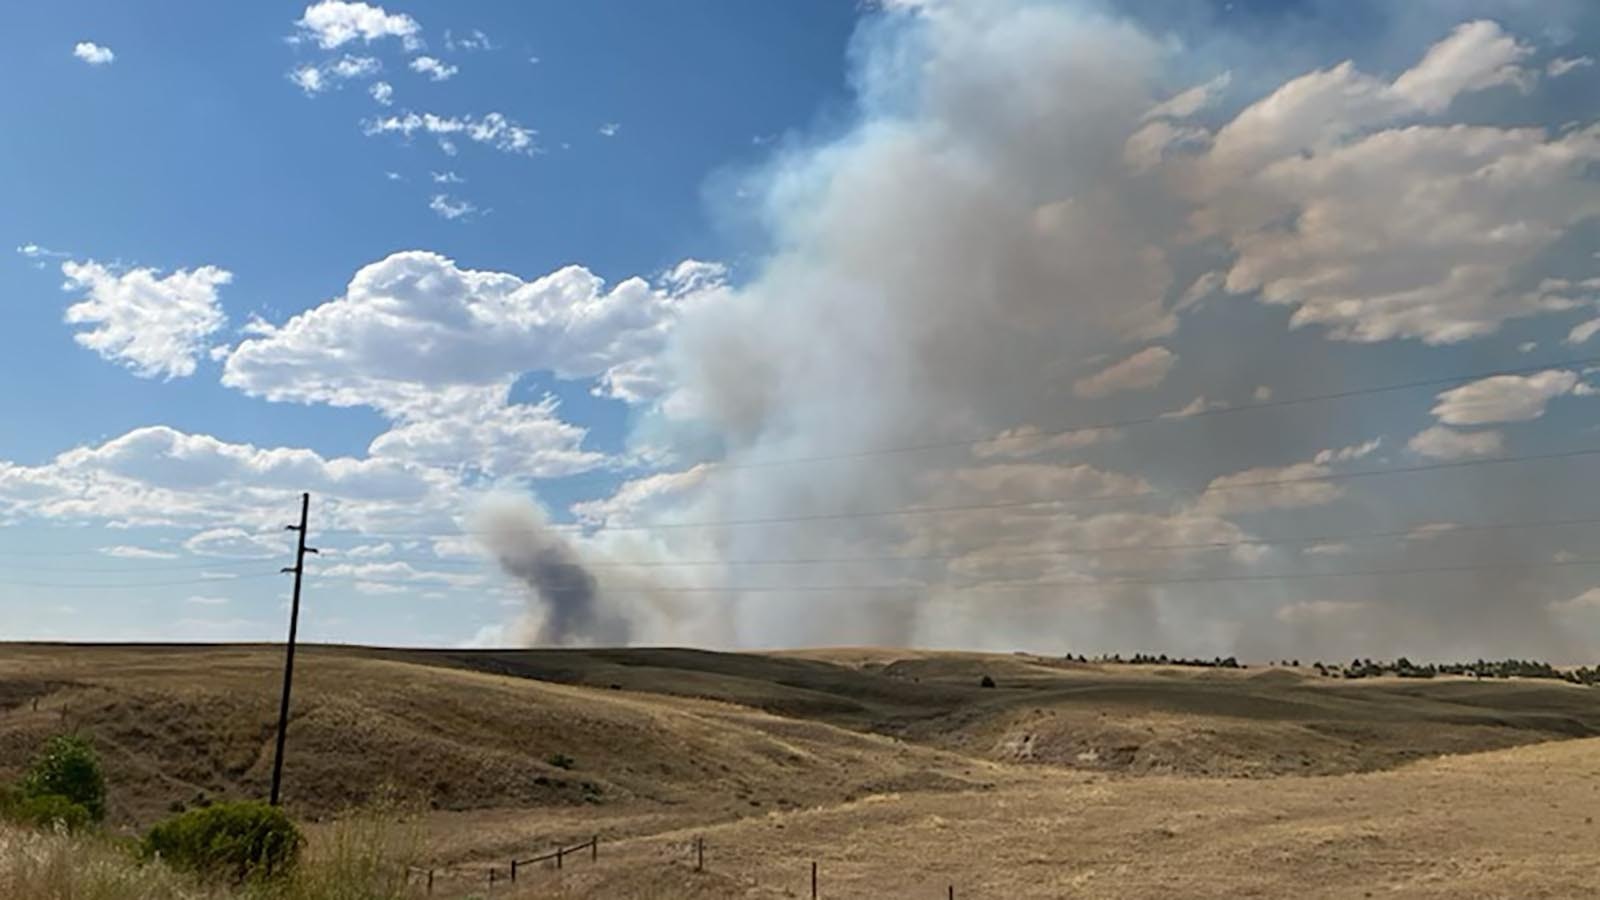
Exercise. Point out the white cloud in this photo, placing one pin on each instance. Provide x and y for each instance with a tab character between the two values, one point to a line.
1476	55
447	178
380	572
362	551
1503	398
1194	408
382	92
152	325
1586	601
125	551
1269	487
1028	440
1444	443
160	476
1401	227
1583	331
451	208
434	68
236	542
1335	548
310	79
1187	103
203	600
1347	454
482	329
93	54
34	251
493	129
610	129
475	40
333	23
1144	369
314	79
489	434
1561	66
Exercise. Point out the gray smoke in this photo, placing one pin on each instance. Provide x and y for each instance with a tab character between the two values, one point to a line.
955	264
564	604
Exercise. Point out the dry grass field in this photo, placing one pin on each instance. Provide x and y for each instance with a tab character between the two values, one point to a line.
893	769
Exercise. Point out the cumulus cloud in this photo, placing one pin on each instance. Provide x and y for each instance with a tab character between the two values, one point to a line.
382	92
334	23
161	476
436	69
1144	369
479	328
610	129
1439	442
1503	398
93	54
1336	150
153	325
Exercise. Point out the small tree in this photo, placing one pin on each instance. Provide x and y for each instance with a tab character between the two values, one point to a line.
69	768
986	682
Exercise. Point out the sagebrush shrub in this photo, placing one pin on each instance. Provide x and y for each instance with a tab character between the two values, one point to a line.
244	841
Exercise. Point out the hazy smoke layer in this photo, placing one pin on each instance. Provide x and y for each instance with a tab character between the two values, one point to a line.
1009	240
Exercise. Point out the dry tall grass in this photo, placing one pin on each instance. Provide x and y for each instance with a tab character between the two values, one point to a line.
362	857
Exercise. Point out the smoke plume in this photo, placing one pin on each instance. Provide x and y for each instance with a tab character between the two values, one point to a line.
564	606
1034	223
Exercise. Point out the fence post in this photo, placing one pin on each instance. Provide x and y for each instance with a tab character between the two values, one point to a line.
560	852
813	880
952	892
491	879
513	871
430	882
594	848
700	854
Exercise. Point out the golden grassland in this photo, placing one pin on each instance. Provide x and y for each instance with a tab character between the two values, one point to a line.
893	769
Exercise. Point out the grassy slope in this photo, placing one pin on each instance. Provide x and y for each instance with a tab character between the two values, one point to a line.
733	732
174	723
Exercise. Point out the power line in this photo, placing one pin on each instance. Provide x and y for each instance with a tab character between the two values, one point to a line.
714	466
1096	583
1044	554
128	584
1017	504
163	567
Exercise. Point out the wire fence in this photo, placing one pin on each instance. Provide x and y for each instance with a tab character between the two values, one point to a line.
496	876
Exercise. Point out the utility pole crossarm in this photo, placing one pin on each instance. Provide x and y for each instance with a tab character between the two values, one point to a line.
299	570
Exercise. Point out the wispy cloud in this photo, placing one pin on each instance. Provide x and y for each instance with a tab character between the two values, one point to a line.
451	208
436	69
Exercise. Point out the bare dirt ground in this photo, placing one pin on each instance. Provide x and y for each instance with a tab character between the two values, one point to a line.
894	770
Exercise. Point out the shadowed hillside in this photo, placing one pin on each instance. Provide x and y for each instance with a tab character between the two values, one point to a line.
724	733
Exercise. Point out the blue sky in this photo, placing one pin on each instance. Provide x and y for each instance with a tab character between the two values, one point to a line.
614	261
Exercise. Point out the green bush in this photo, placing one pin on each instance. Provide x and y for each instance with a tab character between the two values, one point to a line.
48	811
561	760
246	841
68	767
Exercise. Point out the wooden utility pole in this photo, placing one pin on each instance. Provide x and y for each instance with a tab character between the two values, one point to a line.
299	571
